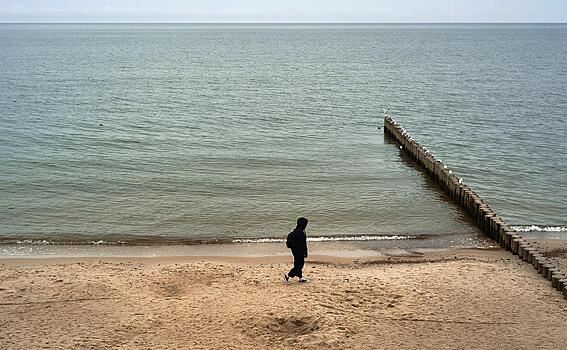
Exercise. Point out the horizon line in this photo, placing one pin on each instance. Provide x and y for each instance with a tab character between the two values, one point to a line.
204	22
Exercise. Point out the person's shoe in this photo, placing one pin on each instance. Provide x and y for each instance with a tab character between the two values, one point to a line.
286	278
302	280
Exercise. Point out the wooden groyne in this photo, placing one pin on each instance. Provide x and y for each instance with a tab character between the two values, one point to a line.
480	212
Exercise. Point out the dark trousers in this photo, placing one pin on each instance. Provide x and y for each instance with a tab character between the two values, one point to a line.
298	262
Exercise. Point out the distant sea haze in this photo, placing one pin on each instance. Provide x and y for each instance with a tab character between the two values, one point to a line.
206	133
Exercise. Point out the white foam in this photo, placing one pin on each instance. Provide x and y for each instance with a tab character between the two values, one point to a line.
250	240
32	242
536	228
46	242
259	240
328	239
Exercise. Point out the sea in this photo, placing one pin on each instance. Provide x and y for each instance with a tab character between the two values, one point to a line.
206	133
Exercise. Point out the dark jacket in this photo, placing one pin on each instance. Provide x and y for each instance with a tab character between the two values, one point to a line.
300	240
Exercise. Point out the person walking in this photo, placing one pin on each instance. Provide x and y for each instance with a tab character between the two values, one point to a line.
297	242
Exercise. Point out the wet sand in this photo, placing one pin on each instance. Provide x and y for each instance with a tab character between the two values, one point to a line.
553	249
457	299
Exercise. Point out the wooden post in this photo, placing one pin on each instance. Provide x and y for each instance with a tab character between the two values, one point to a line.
551	271
555	278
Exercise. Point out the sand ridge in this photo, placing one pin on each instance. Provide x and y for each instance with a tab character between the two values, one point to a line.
458	301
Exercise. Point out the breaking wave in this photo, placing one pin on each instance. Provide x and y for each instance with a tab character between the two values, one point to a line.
329	239
127	241
539	228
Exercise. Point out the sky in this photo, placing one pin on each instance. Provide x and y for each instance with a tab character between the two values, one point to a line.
368	11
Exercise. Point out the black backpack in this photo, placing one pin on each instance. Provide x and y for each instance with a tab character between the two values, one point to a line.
290	241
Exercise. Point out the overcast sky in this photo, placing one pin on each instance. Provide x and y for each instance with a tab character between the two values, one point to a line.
283	11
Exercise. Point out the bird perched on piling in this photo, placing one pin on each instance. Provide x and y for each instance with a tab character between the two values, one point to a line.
460	181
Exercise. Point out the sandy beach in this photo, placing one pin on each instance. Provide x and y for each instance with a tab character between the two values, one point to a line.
553	249
457	299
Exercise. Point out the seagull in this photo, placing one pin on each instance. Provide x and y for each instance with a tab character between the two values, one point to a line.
450	172
444	167
460	180
401	147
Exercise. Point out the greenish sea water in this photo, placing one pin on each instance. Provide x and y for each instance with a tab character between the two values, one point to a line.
190	133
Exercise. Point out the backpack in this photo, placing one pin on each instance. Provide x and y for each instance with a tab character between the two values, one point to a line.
290	241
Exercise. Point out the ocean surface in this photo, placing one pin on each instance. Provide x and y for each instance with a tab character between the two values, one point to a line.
202	133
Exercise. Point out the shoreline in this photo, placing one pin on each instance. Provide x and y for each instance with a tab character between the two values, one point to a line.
328	257
532	232
346	249
460	298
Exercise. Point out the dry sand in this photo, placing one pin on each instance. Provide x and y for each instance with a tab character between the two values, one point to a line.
452	300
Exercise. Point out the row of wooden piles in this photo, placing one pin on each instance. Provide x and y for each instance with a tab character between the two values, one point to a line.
480	212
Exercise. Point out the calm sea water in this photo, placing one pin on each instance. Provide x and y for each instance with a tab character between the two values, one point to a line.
218	132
